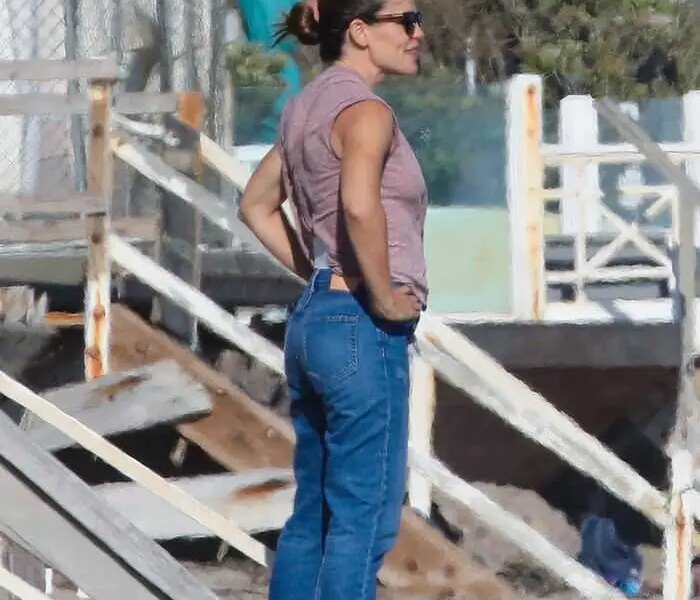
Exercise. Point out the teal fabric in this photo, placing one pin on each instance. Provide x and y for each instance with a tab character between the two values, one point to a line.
261	19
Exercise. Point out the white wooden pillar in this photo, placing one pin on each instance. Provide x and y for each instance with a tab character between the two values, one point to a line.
525	201
691	134
683	444
421	416
578	130
678	537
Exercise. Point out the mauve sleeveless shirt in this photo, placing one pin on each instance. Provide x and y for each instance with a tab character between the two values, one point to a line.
311	174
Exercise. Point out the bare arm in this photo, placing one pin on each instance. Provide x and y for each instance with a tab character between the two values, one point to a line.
362	136
261	210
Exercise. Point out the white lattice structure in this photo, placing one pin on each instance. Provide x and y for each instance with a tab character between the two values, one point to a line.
595	223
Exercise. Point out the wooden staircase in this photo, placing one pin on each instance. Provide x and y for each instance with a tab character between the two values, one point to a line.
243	436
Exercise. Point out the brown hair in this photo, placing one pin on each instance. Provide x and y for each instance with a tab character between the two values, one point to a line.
329	31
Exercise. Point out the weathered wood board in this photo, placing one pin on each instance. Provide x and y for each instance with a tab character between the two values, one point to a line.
242	435
152	395
21	563
90	543
43	231
258	501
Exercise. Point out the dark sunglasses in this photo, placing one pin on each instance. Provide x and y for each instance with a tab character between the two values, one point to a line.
409	19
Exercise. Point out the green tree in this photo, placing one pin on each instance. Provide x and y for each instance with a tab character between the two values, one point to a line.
629	49
257	83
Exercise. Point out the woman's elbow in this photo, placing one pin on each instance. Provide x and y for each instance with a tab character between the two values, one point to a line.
245	210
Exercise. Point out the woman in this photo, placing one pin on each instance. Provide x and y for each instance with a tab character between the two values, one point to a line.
359	201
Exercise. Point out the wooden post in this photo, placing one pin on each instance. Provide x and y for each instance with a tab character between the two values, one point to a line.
679	531
98	287
192	113
691	134
181	223
578	129
525	198
685	437
421	416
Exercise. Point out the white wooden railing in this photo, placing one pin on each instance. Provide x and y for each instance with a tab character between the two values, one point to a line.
443	352
583	209
440	351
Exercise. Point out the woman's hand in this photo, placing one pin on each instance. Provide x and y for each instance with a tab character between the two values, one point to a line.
401	305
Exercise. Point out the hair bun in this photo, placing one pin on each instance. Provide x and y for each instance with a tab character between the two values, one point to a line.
302	24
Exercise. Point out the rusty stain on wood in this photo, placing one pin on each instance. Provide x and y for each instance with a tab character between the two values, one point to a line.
535	201
64	319
127	383
682	560
98	285
236	436
263	489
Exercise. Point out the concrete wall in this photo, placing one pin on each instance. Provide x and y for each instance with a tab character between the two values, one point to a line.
467	249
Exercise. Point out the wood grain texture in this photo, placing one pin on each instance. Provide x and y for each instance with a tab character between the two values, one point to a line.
259	500
226	529
46	231
470	369
241	435
121	402
91	544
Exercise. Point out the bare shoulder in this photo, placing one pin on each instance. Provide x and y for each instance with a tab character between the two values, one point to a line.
370	122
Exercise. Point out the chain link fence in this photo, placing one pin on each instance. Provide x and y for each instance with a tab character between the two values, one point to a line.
163	45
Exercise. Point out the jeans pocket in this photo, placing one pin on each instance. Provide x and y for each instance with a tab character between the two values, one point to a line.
330	347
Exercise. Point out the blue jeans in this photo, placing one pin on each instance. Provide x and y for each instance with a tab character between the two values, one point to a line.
348	378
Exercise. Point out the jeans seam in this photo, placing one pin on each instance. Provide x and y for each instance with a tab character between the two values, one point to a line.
385	452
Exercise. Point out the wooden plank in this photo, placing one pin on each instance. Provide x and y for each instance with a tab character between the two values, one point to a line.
558	154
241	435
658	155
92	545
181	223
217	212
129	401
678	536
127	103
219	159
525	202
196	303
55	204
98	293
18	587
578	127
23	564
47	70
259	500
469	368
515	530
113	456
45	231
421	416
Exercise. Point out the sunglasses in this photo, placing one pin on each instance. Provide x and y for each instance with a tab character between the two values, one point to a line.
409	19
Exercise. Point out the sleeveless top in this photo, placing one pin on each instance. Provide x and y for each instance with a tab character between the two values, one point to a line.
311	176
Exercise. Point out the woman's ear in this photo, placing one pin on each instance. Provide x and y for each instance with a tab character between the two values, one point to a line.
357	30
